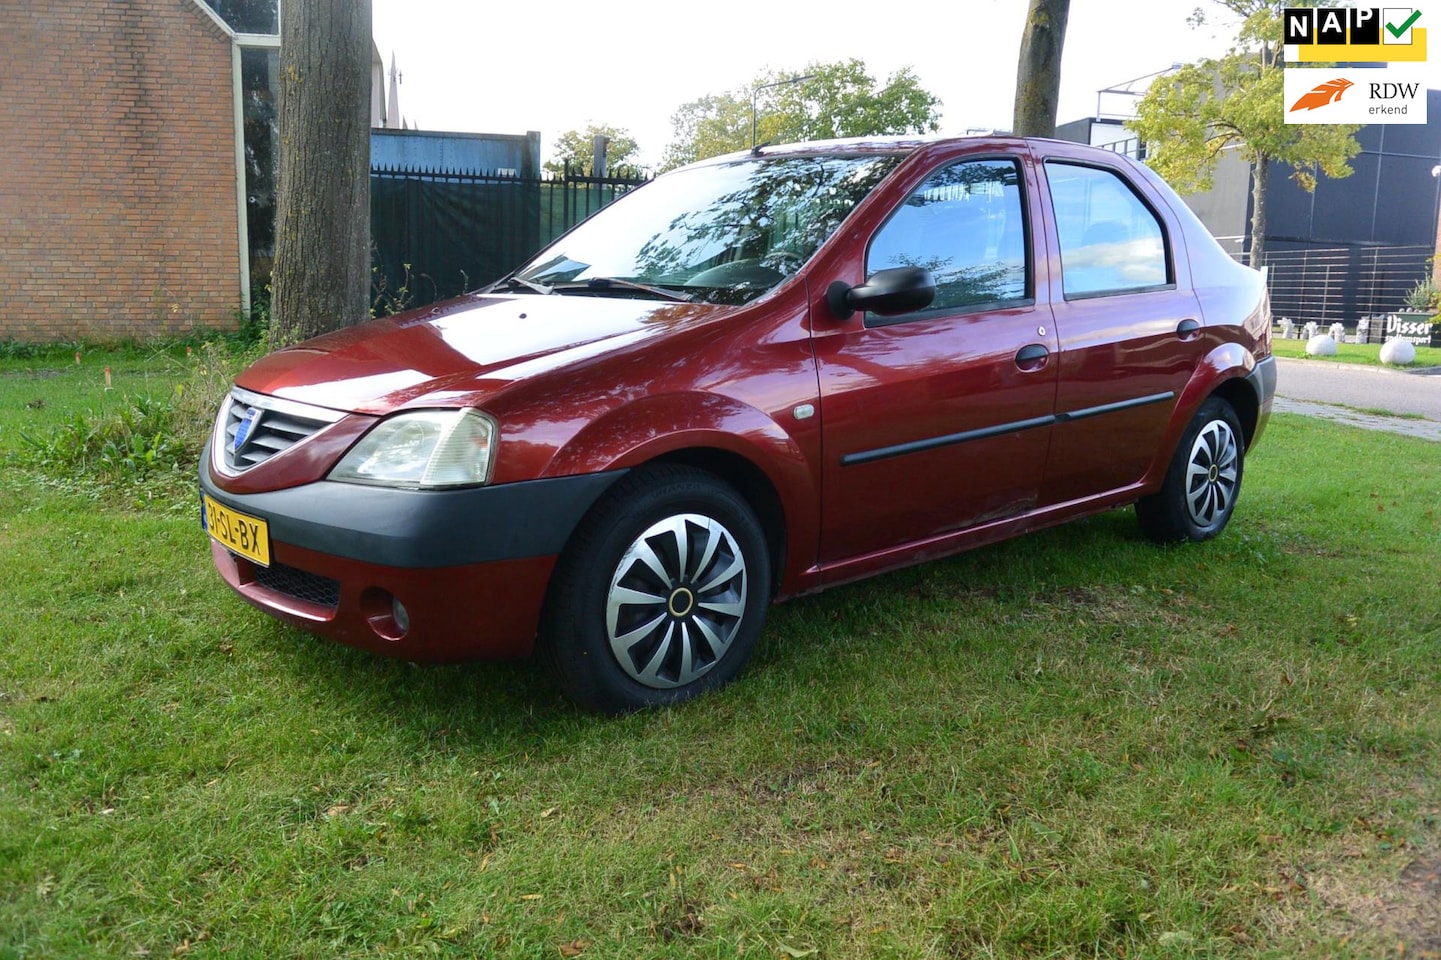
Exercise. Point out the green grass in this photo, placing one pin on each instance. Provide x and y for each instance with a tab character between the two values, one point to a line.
38	395
1074	744
118	415
1362	353
1383	412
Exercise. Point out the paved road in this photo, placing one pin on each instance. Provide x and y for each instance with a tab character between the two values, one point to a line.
1341	391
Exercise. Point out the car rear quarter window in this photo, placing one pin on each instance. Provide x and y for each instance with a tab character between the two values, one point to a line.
1111	241
966	224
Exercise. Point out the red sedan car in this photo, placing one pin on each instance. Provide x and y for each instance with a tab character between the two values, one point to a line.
757	376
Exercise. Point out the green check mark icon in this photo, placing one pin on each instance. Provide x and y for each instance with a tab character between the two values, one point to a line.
1406	25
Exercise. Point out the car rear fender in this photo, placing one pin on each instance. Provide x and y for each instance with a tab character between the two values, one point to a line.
733	439
1222	372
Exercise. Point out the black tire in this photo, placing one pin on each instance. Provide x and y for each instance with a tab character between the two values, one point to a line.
628	623
1199	494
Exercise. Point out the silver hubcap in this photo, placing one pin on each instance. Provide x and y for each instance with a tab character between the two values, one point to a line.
1211	474
676	601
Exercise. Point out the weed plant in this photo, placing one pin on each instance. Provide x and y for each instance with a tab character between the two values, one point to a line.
126	436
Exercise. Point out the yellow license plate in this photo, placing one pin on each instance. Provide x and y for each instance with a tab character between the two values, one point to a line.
238	532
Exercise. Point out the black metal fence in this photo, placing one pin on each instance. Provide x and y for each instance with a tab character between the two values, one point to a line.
437	234
1343	284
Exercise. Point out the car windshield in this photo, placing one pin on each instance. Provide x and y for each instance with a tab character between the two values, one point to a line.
720	233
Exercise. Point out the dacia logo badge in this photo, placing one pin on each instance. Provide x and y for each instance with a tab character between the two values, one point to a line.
242	431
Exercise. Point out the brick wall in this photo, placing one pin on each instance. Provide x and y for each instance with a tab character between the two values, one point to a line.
117	171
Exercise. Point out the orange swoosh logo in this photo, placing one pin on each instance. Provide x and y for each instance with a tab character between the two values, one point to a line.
1322	95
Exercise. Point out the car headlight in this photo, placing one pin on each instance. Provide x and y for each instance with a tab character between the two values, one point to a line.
423	450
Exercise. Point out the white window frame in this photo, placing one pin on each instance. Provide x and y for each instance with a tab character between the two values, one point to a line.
239	42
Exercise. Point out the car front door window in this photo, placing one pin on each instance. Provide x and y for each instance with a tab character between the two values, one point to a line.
966	225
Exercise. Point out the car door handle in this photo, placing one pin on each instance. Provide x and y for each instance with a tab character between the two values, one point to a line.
1032	356
1188	329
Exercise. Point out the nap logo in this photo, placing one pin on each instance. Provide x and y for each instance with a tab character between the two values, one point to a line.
1323	94
1353	34
1355	95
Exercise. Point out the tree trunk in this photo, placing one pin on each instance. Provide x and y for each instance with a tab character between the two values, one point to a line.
1038	73
321	279
1260	175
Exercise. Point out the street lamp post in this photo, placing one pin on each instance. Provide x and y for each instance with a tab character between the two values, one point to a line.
766	86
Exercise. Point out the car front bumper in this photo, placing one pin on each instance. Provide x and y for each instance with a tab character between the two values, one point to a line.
469	568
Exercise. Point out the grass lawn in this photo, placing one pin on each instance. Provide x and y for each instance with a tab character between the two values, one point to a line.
39	394
1075	744
1364	353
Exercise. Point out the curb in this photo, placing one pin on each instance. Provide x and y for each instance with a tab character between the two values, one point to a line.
1422	429
1362	367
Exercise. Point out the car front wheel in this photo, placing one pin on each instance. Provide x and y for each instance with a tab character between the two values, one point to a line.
1199	493
660	595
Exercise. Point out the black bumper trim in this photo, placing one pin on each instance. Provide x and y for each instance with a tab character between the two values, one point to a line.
1262	379
416	529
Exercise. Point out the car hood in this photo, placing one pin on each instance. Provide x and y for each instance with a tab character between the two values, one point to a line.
461	351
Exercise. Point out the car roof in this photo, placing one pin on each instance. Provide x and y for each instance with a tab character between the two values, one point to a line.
902	145
851	146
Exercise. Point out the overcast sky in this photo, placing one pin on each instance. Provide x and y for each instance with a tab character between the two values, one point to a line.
556	66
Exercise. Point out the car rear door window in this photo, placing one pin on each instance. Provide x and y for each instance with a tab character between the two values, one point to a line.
1111	241
966	225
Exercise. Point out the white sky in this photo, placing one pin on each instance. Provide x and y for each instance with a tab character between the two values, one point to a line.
556	66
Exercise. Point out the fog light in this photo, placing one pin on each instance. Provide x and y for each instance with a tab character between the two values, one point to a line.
385	614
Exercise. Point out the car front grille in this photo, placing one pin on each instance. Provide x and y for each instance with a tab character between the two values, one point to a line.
300	584
253	428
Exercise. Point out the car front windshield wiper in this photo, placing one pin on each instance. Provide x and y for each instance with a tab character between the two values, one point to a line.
604	284
513	282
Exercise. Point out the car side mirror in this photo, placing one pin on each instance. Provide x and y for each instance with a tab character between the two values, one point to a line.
886	292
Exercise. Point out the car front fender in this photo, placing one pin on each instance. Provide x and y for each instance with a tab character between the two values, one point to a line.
710	429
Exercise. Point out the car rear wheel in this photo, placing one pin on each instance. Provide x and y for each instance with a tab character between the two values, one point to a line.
660	595
1198	496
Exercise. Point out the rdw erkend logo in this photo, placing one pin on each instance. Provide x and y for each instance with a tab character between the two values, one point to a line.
1393	94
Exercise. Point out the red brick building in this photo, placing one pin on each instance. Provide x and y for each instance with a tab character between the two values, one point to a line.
122	169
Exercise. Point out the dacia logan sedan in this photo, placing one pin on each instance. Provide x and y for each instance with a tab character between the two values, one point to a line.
755	377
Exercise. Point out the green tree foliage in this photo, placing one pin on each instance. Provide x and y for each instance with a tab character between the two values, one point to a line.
837	100
1236	102
578	148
